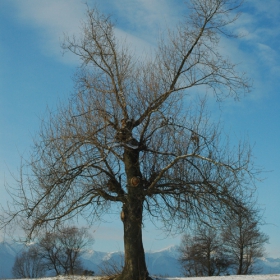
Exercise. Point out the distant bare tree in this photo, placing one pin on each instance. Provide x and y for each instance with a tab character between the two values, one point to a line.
202	253
244	242
130	136
61	251
29	264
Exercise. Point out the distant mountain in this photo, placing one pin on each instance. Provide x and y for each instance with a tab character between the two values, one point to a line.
8	252
269	265
161	263
164	262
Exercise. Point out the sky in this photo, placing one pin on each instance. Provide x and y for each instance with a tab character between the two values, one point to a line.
36	75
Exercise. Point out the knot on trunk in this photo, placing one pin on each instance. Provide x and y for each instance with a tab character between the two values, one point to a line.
134	181
122	215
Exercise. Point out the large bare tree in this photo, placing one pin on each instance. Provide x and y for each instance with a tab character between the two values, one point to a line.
131	137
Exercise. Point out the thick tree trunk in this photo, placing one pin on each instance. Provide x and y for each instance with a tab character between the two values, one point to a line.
132	214
134	263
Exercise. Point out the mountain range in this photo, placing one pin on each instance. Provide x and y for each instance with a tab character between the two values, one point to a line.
161	263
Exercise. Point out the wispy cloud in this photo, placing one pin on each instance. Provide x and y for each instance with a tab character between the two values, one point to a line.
259	48
262	21
269	9
51	19
145	18
51	14
141	21
137	21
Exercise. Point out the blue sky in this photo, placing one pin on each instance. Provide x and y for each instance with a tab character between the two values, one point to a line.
35	74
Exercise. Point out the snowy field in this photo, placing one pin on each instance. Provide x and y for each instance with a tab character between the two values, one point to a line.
231	277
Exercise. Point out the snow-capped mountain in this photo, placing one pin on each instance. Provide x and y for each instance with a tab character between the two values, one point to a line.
269	265
164	262
161	263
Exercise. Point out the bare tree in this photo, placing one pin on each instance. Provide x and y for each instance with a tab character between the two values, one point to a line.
29	264
244	242
131	138
61	251
202	253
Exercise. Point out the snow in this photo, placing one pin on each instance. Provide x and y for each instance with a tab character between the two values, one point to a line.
231	277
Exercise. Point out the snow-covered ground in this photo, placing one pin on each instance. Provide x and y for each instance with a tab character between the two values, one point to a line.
231	277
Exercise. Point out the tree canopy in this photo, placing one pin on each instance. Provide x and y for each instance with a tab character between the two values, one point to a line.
133	135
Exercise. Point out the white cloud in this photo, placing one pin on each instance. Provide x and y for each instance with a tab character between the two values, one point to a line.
52	19
146	18
55	15
136	45
268	8
260	45
139	22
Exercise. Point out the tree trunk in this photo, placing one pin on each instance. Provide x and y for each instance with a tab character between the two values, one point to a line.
132	214
134	262
240	265
209	262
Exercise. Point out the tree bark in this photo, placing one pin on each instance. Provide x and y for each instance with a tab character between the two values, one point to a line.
134	256
134	262
240	266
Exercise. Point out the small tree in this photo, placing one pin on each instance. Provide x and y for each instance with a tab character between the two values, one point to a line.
61	251
243	240
202	253
29	264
